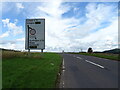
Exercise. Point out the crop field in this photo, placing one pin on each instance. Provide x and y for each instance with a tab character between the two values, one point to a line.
35	71
103	55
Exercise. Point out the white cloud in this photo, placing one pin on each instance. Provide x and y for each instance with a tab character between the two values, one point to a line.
55	24
21	39
19	8
69	34
17	44
53	9
5	46
6	34
19	5
108	33
5	22
75	9
12	30
12	27
100	12
12	8
73	34
106	38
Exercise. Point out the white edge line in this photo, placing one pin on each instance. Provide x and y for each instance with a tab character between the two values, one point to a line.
63	66
63	61
94	63
63	83
63	72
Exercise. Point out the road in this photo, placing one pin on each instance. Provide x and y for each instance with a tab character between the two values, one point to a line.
82	71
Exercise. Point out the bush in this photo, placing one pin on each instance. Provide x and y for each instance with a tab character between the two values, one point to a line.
90	50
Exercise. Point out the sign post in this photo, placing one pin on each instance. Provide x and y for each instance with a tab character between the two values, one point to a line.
28	42
35	34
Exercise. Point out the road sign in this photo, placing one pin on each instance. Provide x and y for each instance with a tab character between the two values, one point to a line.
35	34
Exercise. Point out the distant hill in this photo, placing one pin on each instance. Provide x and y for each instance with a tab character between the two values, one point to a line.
114	51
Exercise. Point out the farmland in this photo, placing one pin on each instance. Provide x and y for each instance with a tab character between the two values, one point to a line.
103	55
109	56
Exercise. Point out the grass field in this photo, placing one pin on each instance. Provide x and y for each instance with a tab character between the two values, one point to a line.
36	71
103	55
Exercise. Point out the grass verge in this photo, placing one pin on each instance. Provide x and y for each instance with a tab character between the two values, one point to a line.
103	55
37	71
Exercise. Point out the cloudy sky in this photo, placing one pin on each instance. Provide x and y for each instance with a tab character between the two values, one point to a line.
70	26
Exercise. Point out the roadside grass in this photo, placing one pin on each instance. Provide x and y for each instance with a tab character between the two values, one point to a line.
36	71
103	55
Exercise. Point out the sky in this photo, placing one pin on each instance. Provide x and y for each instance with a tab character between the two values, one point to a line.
69	26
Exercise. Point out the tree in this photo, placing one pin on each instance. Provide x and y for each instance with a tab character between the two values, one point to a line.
90	50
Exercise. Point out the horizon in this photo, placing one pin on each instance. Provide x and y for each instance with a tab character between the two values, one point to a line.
55	51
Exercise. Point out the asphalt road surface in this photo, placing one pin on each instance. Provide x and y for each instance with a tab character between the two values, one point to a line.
82	71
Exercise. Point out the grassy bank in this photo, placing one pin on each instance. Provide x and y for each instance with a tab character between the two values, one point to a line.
36	71
103	55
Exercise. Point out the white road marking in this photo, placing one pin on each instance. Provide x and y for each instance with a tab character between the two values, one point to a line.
63	82
63	71
63	61
79	57
94	64
63	65
59	74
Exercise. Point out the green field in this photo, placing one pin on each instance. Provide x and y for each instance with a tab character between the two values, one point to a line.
36	71
103	55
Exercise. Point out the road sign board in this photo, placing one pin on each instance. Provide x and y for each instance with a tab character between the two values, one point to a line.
35	34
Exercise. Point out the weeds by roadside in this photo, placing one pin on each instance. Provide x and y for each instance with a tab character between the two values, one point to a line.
13	54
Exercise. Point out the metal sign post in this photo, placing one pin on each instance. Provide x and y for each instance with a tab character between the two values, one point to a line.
28	42
41	50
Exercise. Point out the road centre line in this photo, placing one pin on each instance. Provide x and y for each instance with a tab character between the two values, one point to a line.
94	64
79	57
